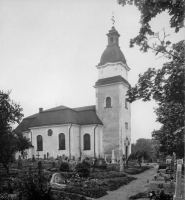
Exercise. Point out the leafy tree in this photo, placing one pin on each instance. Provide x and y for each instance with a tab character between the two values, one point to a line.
138	155
143	144
166	85
149	9
10	142
151	146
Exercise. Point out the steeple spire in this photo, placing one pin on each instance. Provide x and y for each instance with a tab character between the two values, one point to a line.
113	21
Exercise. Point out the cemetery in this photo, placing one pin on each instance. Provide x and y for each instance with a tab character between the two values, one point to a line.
90	178
64	152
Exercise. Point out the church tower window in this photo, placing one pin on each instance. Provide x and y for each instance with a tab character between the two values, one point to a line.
126	125
87	142
39	143
111	39
126	104
61	139
108	102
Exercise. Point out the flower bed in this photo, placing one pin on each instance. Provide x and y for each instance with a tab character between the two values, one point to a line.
115	183
95	192
138	170
111	174
61	195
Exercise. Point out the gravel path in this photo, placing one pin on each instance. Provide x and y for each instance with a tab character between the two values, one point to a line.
134	187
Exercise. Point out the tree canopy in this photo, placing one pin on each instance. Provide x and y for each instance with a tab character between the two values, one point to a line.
10	141
166	85
150	146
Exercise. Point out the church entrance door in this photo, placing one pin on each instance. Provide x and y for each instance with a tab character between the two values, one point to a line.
50	152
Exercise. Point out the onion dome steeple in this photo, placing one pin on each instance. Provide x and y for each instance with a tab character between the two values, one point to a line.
112	53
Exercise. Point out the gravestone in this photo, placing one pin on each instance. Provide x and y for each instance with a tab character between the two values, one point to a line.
39	165
19	164
53	165
180	161
33	158
113	157
105	157
178	187
57	181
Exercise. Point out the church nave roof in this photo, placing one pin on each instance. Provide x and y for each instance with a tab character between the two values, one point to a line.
61	115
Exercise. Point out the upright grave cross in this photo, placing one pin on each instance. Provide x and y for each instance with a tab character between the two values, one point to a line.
38	155
25	154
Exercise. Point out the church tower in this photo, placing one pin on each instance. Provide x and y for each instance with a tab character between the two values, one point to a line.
111	104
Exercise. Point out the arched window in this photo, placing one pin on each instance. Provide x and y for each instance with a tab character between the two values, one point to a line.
126	125
61	139
39	143
87	142
126	103
108	102
111	39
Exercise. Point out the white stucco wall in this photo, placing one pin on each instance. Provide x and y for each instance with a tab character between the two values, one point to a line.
90	130
125	117
51	143
110	70
75	144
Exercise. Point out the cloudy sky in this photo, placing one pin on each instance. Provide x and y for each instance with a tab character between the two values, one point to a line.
49	50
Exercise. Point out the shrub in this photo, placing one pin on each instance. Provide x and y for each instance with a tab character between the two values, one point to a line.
115	183
64	167
83	168
70	196
136	170
104	175
95	192
139	196
34	186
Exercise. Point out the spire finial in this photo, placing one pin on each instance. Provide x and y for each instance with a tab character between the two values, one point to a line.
113	21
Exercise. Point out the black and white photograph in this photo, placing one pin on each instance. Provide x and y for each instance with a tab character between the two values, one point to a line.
92	99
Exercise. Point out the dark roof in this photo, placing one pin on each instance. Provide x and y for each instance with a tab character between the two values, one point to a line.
88	117
64	116
112	54
56	108
61	115
25	124
110	80
84	108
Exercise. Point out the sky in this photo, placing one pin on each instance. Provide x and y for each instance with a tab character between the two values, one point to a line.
49	50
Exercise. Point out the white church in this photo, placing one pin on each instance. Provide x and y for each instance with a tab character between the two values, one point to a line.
91	131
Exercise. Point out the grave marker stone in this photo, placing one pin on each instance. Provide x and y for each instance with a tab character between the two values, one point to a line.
57	181
53	165
178	186
39	165
19	164
113	157
180	161
33	158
